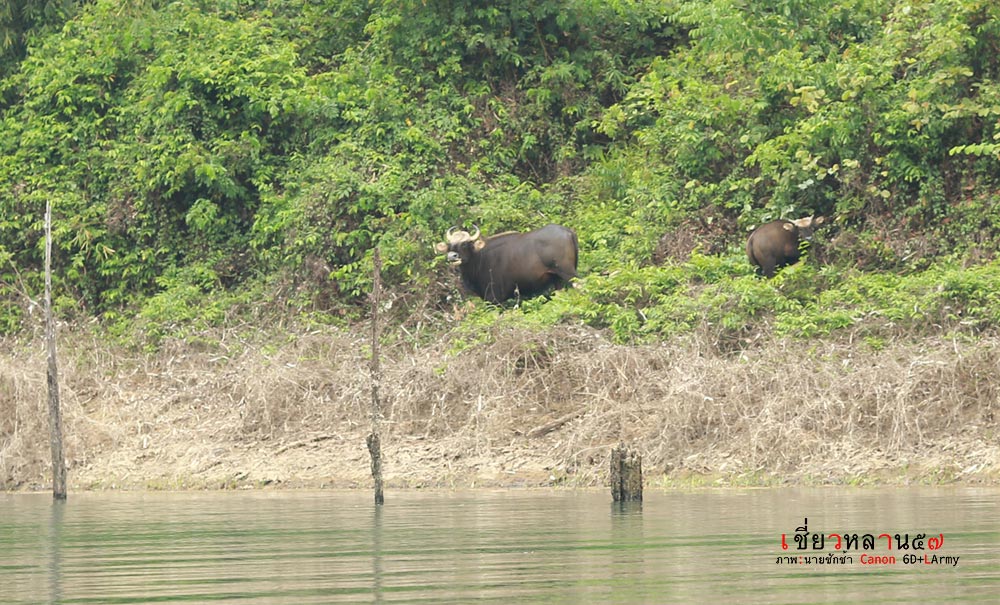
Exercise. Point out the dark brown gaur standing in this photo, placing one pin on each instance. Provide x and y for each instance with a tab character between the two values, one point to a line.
774	245
512	264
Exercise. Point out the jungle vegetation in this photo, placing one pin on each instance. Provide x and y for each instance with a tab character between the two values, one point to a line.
239	160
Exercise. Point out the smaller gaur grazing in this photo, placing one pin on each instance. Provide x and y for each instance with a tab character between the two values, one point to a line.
774	245
512	264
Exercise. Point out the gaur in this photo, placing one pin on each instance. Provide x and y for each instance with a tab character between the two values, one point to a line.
774	245
512	264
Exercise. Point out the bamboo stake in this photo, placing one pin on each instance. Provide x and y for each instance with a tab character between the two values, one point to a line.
374	441
55	417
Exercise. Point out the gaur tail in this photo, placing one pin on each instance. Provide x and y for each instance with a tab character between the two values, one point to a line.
750	254
758	266
576	252
568	273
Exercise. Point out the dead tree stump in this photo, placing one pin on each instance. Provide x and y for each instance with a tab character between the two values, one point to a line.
626	474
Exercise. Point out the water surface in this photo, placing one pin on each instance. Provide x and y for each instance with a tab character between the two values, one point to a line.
492	546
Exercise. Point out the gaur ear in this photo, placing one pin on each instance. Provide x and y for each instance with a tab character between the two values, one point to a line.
819	220
479	245
788	226
440	247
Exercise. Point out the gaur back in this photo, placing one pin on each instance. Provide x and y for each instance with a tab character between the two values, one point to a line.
774	245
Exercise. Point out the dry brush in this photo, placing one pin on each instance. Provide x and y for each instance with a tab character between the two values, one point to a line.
524	407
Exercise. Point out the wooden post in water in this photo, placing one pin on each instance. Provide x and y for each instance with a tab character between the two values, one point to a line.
626	474
373	440
52	375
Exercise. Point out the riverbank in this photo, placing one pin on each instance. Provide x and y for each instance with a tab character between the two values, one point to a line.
522	408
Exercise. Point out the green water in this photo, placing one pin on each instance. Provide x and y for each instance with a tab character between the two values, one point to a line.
293	547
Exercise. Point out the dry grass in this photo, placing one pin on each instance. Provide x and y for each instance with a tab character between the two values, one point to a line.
527	408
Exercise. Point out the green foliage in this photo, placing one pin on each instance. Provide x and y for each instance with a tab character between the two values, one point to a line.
20	20
198	152
719	296
803	107
182	308
152	132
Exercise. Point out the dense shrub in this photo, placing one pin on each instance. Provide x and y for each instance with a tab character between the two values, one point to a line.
201	156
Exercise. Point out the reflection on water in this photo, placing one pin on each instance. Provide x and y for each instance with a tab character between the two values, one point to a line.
488	546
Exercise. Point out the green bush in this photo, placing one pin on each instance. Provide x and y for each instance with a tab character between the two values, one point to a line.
198	152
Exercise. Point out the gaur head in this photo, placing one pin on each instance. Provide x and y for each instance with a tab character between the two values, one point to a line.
460	245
